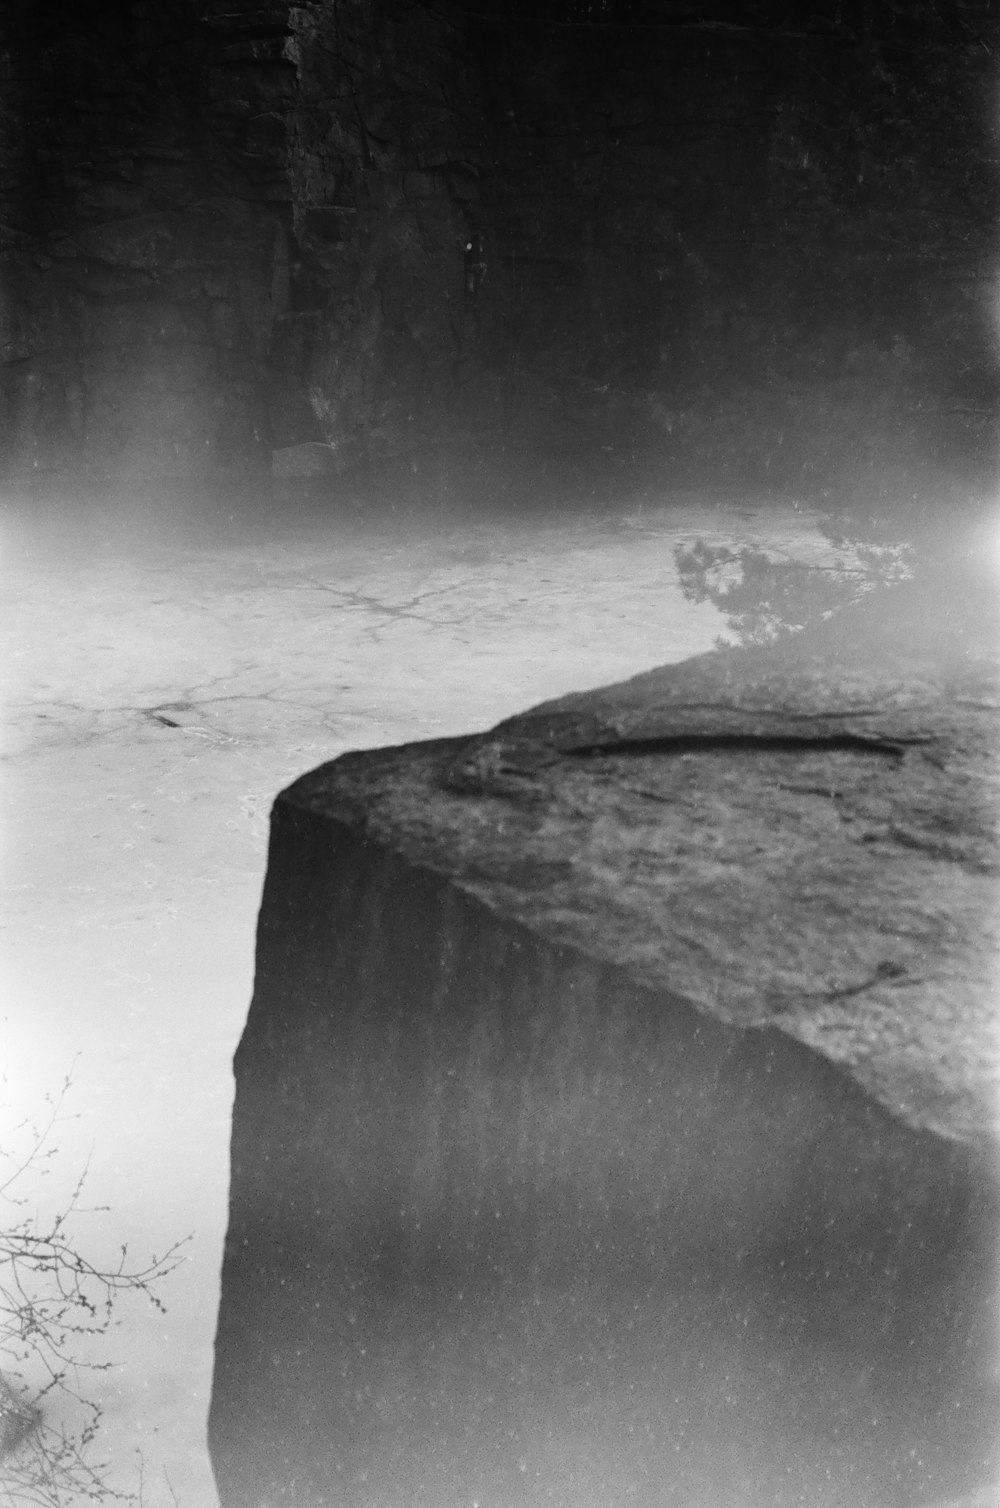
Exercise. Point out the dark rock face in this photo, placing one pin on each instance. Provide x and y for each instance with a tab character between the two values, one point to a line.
616	1112
383	205
142	258
138	255
203	261
720	241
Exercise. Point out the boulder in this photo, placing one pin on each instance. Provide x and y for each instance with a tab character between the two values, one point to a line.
615	1117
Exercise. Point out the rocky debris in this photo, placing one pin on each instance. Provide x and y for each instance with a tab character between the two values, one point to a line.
615	1114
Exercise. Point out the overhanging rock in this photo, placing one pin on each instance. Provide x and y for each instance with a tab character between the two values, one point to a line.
615	1115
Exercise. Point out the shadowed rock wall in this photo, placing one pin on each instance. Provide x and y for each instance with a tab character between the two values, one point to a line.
139	257
383	192
721	242
212	249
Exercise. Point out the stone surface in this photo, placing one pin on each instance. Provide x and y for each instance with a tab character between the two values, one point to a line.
235	226
615	1115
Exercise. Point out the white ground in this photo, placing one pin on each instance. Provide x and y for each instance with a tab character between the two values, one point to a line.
135	851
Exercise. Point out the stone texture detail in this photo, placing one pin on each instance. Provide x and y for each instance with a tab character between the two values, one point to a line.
604	233
616	1111
137	252
208	252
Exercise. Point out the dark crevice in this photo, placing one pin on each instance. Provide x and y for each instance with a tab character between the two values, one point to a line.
886	969
746	743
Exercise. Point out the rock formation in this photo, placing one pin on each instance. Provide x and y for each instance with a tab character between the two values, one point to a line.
616	1112
725	241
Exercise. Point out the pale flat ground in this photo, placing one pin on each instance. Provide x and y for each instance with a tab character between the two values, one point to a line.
134	851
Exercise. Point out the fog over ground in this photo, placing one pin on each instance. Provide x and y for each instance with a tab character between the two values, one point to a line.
159	691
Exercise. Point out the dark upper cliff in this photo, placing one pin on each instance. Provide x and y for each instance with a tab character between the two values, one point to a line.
735	239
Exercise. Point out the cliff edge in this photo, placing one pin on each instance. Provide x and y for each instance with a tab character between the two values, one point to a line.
616	1112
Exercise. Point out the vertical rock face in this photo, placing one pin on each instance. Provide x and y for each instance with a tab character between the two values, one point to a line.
137	255
209	253
731	242
615	1116
383	205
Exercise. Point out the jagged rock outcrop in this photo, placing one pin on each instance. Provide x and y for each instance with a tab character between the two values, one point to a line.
616	1112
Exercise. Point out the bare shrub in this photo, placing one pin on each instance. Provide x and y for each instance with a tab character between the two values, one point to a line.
53	1302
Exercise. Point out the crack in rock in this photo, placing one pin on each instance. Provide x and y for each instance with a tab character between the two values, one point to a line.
745	743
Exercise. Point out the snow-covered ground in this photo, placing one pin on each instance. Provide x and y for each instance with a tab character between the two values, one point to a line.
160	687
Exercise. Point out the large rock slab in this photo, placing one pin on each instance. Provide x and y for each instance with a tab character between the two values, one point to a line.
615	1115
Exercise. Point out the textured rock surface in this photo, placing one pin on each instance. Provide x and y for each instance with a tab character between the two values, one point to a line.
614	1112
137	250
724	241
204	254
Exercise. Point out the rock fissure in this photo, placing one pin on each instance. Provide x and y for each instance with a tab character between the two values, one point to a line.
734	743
